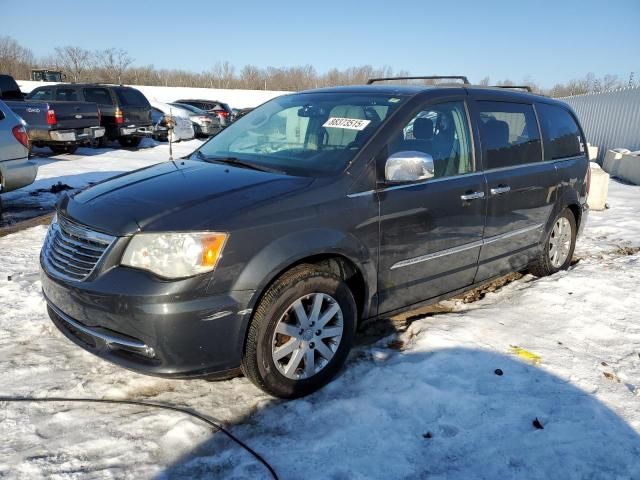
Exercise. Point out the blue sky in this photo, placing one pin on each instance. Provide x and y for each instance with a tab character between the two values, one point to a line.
547	41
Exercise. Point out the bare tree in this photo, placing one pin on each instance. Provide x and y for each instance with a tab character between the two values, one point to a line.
15	59
113	63
74	60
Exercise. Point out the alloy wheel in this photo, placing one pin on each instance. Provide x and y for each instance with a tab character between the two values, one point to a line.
307	336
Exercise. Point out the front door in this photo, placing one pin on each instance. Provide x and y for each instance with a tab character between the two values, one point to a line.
431	230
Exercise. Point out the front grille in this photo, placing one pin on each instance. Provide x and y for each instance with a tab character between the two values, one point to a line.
72	251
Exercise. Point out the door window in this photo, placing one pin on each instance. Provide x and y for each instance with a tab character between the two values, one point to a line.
43	94
442	131
509	134
562	135
100	96
67	94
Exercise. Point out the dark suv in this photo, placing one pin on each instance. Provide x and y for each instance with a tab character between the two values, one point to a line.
125	111
264	249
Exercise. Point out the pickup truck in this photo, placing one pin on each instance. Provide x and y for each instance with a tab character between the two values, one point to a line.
125	111
60	125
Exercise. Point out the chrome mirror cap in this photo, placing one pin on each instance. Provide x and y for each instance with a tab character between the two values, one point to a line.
409	166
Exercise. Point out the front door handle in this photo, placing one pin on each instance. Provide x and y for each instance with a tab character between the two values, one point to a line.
471	196
500	189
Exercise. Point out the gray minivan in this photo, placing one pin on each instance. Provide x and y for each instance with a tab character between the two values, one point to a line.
263	250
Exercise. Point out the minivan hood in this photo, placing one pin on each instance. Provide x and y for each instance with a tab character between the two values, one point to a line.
179	195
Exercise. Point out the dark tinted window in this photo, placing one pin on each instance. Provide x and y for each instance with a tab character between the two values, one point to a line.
131	97
66	94
98	95
42	94
9	88
509	133
562	135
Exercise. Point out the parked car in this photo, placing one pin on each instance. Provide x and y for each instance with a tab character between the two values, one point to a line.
221	109
61	126
182	127
240	112
125	111
204	123
16	170
159	125
266	247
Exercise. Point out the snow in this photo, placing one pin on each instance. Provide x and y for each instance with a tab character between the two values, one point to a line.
78	170
236	98
425	403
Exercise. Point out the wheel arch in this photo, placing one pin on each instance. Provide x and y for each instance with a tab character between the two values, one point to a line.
330	250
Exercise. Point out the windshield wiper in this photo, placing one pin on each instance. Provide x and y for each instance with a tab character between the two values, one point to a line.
236	162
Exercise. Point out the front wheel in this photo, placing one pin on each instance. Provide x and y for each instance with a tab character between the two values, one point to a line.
557	251
301	333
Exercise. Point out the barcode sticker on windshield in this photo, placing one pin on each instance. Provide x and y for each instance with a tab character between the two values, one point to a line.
348	123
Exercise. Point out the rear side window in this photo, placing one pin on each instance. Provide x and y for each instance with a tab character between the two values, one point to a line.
509	134
562	135
42	94
131	97
67	94
97	95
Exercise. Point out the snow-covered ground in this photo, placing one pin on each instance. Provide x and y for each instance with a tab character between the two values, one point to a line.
86	166
236	98
424	404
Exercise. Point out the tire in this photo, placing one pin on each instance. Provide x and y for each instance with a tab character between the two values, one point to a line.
302	286
58	149
547	263
130	142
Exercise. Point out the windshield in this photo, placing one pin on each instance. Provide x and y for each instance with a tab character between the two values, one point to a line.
304	134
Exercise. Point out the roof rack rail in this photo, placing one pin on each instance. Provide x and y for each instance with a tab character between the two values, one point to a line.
515	87
464	79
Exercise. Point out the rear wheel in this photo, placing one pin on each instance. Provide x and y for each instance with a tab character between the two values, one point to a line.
58	149
129	142
557	251
301	333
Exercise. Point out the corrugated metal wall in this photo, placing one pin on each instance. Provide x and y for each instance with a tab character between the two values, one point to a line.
610	119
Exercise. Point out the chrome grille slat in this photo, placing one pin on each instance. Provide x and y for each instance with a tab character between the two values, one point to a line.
60	246
69	241
72	251
66	262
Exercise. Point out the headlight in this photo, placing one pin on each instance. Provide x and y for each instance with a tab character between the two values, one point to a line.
174	255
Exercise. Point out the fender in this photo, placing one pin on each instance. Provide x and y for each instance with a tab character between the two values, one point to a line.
566	198
282	253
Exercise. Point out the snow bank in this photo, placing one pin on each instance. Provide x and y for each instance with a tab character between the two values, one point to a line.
236	98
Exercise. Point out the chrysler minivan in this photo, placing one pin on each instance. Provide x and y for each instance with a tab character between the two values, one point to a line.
262	251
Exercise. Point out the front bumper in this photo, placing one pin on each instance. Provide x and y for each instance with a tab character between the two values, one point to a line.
168	329
134	131
17	173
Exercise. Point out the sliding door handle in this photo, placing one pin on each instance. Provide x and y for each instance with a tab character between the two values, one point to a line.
500	189
471	196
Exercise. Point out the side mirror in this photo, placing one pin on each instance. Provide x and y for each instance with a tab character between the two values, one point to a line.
408	166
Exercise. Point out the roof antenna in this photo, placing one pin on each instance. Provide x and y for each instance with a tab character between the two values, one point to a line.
170	128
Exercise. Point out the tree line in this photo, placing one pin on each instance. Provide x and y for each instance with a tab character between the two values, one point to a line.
115	65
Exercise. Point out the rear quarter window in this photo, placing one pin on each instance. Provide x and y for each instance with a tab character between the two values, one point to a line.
98	95
509	134
131	97
562	134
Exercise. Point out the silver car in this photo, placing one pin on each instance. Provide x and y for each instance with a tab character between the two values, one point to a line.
15	168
